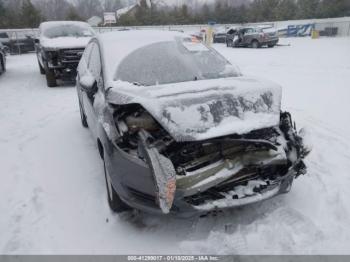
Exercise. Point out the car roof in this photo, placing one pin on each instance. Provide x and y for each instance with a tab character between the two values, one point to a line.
46	25
117	45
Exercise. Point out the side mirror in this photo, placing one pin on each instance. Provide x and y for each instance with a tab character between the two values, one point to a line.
87	82
36	41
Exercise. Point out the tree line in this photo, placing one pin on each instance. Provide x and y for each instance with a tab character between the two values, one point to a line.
234	11
30	13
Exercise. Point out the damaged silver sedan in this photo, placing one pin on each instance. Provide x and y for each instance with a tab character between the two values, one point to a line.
180	129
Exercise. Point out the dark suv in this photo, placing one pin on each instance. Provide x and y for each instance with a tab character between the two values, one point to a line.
59	49
254	37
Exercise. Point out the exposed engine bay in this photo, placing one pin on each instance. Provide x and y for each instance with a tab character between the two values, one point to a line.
219	169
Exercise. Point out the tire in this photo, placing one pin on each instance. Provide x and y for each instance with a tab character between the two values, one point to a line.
2	65
270	46
114	201
255	44
83	117
41	69
50	78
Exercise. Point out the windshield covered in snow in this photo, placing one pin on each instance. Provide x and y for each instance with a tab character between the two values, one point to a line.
68	30
173	62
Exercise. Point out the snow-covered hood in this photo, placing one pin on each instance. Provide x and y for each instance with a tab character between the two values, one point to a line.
206	109
64	42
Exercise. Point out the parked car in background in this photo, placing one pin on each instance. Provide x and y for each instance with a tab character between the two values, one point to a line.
22	42
178	134
5	39
254	37
60	47
220	36
18	42
2	58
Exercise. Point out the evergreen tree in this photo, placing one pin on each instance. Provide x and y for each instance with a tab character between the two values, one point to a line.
89	8
73	15
112	5
184	17
333	8
242	14
205	14
2	14
127	20
30	16
287	10
142	13
308	9
263	10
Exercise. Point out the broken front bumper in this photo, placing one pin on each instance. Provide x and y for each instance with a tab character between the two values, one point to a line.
265	169
185	206
136	187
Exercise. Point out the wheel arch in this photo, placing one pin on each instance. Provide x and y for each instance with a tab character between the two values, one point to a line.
100	148
2	61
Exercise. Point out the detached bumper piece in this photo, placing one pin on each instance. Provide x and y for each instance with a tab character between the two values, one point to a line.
163	173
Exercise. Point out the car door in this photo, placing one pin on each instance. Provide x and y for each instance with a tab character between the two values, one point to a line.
82	70
248	35
94	68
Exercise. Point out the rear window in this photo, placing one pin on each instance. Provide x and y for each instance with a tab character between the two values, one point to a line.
172	62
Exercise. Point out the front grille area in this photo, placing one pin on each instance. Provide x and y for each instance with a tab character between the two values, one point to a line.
267	174
71	55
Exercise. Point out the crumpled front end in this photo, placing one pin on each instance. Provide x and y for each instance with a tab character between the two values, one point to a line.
223	172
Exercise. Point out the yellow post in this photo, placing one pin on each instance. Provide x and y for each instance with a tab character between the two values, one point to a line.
315	34
209	35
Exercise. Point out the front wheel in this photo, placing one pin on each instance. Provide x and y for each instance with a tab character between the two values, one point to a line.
83	117
271	46
2	66
41	69
50	78
255	44
114	201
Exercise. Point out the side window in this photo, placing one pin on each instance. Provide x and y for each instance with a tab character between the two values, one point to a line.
95	66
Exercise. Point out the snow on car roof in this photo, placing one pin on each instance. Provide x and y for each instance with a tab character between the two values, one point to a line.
119	44
50	24
58	41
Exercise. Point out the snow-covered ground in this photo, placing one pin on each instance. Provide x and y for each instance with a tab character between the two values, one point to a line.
52	191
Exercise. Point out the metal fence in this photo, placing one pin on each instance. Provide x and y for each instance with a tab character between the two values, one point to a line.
22	40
